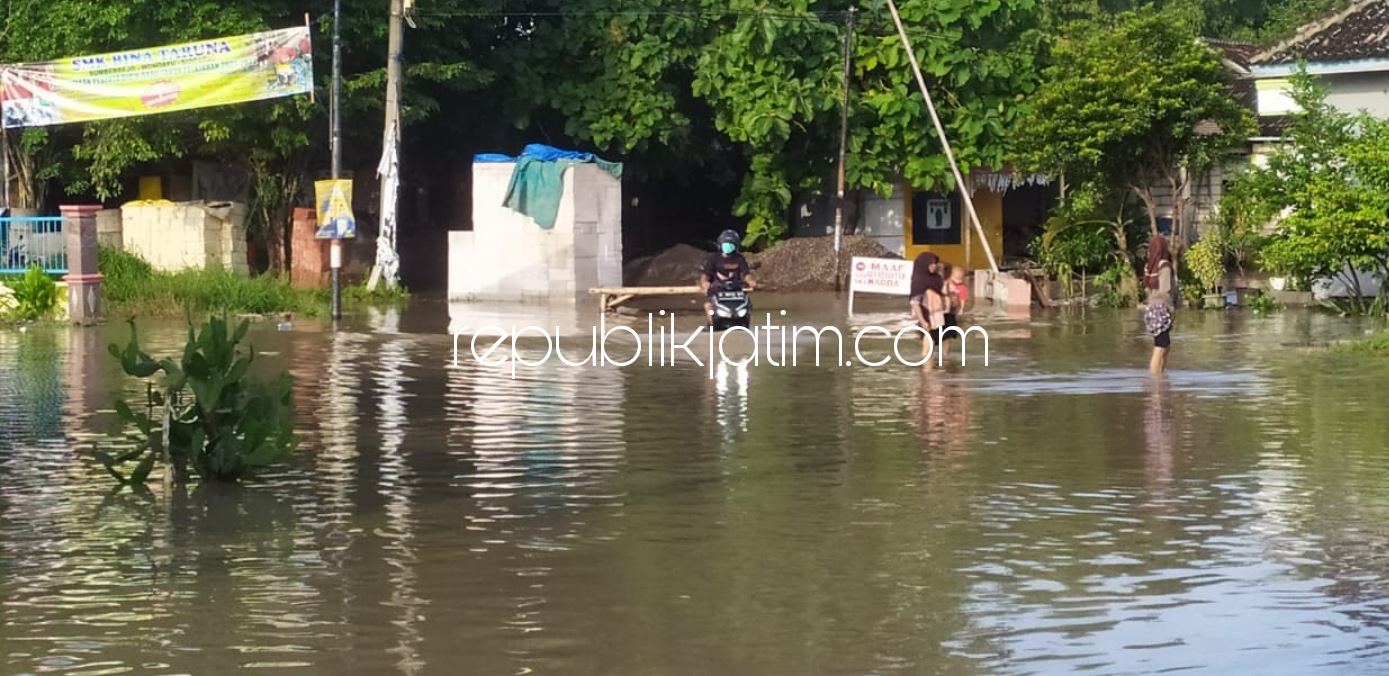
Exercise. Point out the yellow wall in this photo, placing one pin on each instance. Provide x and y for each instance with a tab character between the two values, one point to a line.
989	206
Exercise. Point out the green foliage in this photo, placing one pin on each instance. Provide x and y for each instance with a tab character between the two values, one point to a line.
1070	247
1206	259
756	88
1376	343
35	294
1117	282
230	428
1329	183
1262	303
1122	104
129	284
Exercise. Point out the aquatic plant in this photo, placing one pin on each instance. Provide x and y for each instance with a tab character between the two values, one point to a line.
228	429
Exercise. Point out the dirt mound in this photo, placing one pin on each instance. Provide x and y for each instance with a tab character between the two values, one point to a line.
807	263
676	266
793	265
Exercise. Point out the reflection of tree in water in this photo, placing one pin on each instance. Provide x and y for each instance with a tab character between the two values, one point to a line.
32	396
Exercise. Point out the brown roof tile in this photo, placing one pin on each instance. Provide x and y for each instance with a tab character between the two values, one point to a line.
1358	32
1238	53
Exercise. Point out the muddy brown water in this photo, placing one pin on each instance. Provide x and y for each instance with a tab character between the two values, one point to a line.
1053	512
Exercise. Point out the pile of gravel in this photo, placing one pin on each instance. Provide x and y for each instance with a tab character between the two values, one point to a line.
807	263
676	266
792	265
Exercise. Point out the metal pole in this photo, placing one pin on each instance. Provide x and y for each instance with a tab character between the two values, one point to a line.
843	141
335	126
940	131
5	144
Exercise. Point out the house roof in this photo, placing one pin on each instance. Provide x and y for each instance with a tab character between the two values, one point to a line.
1358	32
1236	56
1236	53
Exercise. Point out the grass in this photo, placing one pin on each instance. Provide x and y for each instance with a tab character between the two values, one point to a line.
1376	343
130	285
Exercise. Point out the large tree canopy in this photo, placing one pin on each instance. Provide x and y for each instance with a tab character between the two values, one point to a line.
1135	102
696	88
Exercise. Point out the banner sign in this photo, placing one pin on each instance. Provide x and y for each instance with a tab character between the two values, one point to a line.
879	275
334	199
213	72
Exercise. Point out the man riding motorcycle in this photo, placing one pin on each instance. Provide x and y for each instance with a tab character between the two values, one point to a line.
728	265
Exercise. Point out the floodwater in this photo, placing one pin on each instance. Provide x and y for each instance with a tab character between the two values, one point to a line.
1055	511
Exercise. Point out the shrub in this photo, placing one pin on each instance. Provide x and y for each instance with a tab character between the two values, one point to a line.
35	294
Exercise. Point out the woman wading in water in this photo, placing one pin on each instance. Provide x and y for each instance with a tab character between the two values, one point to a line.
928	298
1159	278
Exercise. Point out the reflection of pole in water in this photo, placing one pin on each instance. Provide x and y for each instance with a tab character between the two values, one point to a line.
398	493
384	320
338	430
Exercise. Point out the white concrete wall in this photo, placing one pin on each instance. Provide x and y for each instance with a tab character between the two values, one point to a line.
175	237
507	257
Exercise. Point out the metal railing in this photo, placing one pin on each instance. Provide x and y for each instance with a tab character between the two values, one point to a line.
25	240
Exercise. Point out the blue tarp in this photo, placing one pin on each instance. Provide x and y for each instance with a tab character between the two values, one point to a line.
537	183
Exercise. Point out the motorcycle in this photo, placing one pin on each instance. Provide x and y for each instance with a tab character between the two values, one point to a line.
731	304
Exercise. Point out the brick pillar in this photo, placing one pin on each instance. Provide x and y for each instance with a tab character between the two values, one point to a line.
83	280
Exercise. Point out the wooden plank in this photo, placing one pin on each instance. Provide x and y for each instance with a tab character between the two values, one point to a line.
642	290
1038	289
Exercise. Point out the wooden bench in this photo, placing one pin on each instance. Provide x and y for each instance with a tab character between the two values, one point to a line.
611	297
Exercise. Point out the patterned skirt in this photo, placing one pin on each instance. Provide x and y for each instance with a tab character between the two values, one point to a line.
1158	318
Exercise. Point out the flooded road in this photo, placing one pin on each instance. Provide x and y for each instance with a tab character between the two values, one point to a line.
1054	511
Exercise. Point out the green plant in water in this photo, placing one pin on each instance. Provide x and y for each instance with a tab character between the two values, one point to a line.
229	428
1262	303
35	294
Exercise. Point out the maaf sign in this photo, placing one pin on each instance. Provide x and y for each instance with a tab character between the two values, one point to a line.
892	276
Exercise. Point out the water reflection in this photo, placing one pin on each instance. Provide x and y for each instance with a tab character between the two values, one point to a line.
731	396
1160	444
1039	515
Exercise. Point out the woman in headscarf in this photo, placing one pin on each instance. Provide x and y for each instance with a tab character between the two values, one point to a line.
1159	278
927	298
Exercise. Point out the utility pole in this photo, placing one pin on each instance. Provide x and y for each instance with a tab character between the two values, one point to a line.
335	130
940	132
386	261
843	141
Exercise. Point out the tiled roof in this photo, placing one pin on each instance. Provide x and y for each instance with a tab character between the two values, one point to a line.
1361	31
1238	53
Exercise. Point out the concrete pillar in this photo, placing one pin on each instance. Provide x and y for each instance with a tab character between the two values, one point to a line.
83	280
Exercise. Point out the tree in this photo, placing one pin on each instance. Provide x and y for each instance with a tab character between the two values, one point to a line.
1136	103
760	82
1329	182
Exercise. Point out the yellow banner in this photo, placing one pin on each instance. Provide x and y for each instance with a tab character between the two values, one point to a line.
158	80
335	219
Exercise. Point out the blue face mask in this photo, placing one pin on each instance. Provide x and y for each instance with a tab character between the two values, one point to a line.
728	247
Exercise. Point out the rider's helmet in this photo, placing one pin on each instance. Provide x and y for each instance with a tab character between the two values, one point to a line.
729	241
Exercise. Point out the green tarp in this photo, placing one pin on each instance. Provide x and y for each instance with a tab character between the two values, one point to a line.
537	182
